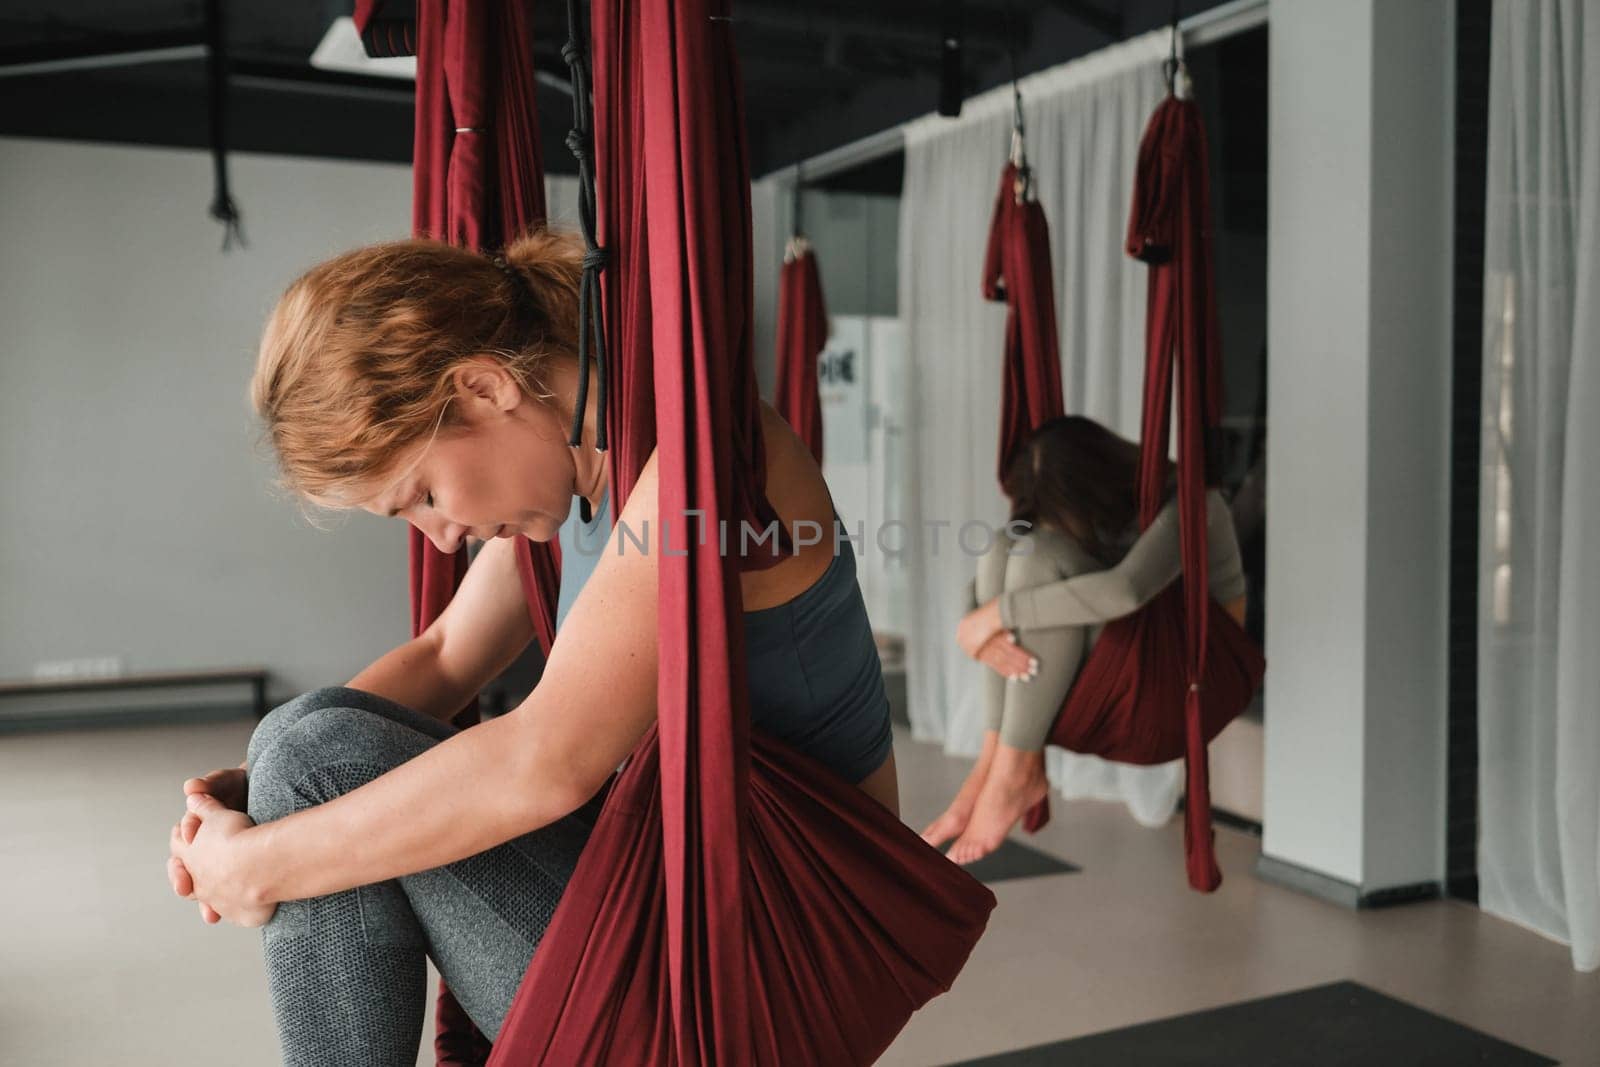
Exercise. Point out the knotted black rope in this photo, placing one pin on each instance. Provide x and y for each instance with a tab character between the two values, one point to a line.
223	209
591	321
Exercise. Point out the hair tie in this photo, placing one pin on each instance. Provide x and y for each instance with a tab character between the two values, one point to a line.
518	280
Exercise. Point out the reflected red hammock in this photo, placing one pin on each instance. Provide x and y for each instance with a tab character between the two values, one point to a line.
802	333
1164	681
1016	269
477	181
737	902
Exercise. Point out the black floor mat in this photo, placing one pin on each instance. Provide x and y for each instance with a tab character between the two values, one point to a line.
1016	860
1337	1025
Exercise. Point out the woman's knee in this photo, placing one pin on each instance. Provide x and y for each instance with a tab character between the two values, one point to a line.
325	752
991	569
1031	560
279	720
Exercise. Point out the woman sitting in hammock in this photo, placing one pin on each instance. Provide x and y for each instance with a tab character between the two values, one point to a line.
1038	604
425	382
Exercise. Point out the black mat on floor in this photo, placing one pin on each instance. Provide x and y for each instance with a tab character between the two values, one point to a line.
1328	1026
1016	860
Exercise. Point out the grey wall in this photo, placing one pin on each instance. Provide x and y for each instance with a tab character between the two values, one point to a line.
137	520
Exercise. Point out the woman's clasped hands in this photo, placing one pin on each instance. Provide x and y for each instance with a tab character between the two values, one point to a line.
983	636
206	858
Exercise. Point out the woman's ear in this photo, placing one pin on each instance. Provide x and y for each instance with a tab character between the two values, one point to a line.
483	380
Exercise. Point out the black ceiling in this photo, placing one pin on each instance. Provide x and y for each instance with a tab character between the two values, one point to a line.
818	73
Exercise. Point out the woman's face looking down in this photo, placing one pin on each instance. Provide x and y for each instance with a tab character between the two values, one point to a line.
501	467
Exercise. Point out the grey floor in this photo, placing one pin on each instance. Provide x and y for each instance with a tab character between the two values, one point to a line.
100	965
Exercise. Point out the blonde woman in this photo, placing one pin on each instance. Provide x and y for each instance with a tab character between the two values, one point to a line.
427	383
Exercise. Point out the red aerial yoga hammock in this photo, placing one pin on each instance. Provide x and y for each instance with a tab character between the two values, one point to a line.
737	902
1016	270
1164	681
802	333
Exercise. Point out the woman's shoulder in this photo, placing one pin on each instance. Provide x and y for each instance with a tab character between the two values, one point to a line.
795	485
1219	512
794	482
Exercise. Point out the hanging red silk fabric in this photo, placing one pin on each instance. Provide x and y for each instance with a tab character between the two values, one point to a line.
1182	650
737	902
477	181
1016	270
802	333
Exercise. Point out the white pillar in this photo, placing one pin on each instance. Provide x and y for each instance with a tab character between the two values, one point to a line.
1359	243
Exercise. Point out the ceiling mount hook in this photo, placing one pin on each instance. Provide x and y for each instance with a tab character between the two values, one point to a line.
797	245
1023	186
1174	71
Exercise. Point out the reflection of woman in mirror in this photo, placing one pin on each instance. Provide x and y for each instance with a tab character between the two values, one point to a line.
1039	602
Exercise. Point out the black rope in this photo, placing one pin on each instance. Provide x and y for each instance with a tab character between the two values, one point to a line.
223	209
580	141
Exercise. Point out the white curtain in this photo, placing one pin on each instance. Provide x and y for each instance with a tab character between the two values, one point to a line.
1539	650
1084	121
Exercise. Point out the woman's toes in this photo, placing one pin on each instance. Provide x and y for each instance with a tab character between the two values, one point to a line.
943	828
970	849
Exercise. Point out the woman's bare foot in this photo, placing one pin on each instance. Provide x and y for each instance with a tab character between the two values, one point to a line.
1016	783
954	820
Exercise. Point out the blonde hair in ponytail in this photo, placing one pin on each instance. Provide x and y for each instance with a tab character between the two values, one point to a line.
358	360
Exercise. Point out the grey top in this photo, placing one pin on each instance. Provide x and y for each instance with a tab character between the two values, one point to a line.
1150	565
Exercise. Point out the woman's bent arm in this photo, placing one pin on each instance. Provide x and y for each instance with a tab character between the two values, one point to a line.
464	795
1148	568
505	777
478	635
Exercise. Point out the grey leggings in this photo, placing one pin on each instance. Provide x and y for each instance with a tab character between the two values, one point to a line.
1023	712
346	971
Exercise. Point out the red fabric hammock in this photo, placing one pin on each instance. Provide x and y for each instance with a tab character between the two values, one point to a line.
737	902
1182	650
1016	269
802	333
478	181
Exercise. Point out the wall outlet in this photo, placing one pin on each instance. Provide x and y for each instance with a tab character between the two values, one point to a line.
88	667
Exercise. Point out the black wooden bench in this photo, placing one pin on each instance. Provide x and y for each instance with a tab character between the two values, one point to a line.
255	677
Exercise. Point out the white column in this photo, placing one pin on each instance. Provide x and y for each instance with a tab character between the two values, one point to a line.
1359	241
